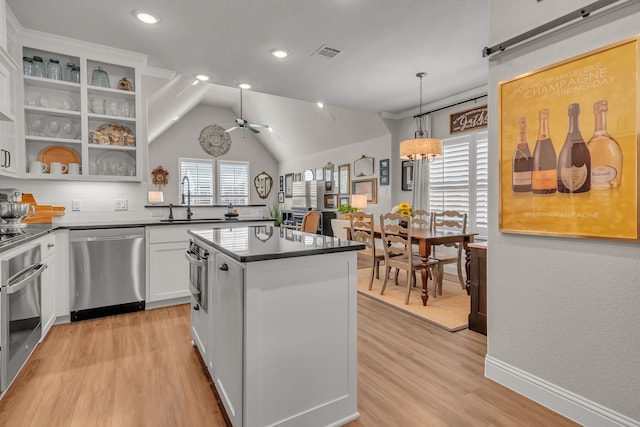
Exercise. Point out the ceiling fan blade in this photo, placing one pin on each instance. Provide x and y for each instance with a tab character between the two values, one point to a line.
231	128
250	127
256	125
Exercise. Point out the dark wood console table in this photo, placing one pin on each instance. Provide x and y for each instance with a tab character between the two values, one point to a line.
478	282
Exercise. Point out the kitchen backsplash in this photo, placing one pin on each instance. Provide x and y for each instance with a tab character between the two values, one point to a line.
97	201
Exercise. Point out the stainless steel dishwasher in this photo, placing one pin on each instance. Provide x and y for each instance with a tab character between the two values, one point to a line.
107	272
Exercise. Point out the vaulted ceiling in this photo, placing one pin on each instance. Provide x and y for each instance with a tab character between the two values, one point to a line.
383	45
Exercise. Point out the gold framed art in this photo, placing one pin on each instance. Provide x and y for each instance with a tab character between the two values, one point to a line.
561	174
366	186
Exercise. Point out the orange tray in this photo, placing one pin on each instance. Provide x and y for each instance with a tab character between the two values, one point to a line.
59	153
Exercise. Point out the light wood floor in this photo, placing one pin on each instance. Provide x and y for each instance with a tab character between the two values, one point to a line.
139	369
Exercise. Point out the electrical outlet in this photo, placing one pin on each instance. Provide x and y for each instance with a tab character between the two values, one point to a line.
75	205
121	205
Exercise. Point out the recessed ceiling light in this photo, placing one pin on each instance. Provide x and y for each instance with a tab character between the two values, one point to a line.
195	82
279	53
175	118
146	17
202	77
270	129
244	86
320	105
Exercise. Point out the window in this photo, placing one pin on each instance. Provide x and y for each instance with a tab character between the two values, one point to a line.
459	180
231	185
200	175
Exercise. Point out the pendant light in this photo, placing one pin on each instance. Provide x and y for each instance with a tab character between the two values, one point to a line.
422	146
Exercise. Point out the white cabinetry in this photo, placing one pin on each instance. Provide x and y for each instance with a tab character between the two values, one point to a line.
48	304
168	269
8	156
227	337
99	127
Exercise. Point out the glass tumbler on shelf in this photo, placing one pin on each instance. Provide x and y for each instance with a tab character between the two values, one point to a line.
112	107
27	66
75	75
39	69
54	70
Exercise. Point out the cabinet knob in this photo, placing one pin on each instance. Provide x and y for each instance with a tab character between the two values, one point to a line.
50	245
196	307
224	267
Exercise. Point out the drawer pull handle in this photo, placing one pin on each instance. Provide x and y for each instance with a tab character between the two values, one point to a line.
50	245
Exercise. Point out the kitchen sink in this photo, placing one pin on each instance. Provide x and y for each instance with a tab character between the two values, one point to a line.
191	220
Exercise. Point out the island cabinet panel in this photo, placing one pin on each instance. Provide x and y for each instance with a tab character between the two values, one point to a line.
300	343
226	365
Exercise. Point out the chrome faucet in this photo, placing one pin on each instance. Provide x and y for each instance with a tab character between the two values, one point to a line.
189	213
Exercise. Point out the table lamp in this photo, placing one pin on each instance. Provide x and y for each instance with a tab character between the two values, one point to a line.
156	197
359	201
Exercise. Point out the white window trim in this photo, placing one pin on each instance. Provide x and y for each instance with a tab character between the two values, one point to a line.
472	215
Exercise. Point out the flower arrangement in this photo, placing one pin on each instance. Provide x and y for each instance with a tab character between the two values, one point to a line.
403	208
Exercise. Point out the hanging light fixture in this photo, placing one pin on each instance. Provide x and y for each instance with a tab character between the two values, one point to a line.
422	146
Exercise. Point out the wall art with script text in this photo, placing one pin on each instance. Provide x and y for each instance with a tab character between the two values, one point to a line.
568	147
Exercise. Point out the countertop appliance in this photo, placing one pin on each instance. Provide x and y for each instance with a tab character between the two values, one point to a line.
107	271
20	311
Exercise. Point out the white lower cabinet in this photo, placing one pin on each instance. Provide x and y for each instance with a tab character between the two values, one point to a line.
48	283
227	340
168	270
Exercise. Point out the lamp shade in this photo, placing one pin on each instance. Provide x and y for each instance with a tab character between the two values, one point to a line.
156	197
420	148
359	201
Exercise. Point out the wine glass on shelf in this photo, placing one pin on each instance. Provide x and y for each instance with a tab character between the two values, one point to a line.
36	125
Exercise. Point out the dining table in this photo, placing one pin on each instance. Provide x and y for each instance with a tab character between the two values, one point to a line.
425	238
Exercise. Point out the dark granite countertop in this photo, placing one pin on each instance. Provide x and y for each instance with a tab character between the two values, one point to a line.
259	243
35	231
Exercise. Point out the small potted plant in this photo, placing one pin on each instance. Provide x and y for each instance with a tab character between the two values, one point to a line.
274	212
344	211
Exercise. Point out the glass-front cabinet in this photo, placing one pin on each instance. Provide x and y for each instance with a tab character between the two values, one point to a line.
80	115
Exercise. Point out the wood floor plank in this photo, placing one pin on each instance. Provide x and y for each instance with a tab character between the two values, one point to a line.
139	370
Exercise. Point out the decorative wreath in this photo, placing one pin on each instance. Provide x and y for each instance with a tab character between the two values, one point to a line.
214	140
159	176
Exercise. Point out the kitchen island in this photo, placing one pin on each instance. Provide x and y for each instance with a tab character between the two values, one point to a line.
277	328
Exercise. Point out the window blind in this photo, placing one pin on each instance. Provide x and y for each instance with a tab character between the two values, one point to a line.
459	180
200	175
233	182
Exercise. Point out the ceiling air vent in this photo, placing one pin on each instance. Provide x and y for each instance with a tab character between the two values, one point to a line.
327	52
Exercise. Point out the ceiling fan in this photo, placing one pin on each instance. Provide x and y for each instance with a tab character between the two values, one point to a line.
241	123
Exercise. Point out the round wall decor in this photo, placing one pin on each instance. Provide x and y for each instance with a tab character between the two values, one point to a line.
214	140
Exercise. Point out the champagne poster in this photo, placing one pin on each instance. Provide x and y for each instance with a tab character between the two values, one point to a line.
568	147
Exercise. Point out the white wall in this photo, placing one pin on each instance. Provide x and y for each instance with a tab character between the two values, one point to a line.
563	313
379	148
181	140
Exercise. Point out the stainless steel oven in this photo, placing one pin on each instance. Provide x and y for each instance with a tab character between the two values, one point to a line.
20	314
198	273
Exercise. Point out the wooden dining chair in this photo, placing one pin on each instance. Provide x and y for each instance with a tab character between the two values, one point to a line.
398	252
361	225
310	222
453	221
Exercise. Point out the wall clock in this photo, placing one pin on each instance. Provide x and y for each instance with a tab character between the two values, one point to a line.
159	176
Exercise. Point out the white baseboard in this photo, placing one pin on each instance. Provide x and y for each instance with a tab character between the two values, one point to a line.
564	402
